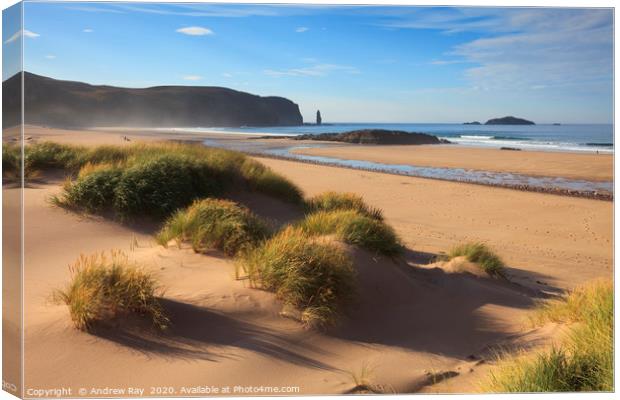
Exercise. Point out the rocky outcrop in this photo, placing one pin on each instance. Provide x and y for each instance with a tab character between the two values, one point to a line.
58	103
375	136
509	121
472	123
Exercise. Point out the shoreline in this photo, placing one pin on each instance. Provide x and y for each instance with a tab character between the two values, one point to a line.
440	157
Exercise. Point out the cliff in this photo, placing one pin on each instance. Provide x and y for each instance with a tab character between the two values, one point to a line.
59	103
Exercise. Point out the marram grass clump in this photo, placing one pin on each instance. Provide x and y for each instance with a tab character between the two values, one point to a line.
355	228
94	190
480	254
335	201
11	162
154	186
215	224
264	180
583	361
156	179
316	278
159	185
103	287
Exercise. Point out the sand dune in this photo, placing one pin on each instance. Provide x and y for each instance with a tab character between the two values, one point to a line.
407	321
416	326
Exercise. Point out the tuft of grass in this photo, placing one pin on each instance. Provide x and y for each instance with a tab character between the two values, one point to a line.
11	162
103	287
333	201
316	278
159	185
352	227
155	179
215	224
480	254
584	362
264	180
590	303
44	155
93	191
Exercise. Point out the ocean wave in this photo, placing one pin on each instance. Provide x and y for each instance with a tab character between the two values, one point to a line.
491	137
534	144
476	137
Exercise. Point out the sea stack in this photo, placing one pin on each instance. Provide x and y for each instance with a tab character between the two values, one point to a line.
319	120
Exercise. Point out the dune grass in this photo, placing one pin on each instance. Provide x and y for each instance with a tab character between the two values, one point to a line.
11	162
103	287
264	180
355	228
335	201
480	254
215	224
316	278
94	191
584	362
154	179
159	185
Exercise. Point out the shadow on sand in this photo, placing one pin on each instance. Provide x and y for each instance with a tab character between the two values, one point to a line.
197	333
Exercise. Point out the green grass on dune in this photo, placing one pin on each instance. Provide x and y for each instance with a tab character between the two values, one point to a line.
316	278
104	287
583	362
159	185
264	180
352	227
215	224
11	162
480	254
335	201
153	179
93	191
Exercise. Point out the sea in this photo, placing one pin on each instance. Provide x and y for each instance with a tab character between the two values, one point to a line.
543	137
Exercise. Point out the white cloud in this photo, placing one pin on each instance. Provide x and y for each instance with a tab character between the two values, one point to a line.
551	50
18	34
192	77
87	30
316	70
29	34
195	31
227	75
50	56
302	29
524	48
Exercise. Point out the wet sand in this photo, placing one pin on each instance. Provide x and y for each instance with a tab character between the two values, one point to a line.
587	166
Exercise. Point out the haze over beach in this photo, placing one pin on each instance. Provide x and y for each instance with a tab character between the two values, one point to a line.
310	199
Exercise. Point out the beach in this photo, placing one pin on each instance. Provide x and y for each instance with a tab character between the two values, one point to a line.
590	166
417	328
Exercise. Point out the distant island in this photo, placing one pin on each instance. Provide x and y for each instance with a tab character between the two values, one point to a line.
68	104
509	121
472	123
375	136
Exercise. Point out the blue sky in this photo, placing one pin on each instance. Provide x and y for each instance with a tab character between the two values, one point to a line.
355	64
